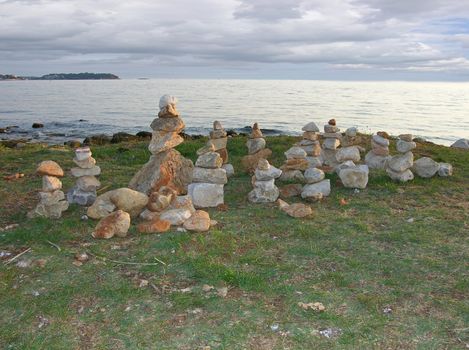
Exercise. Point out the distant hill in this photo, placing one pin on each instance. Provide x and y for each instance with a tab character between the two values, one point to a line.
63	76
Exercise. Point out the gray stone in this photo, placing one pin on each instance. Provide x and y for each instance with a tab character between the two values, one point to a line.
425	167
49	198
328	157
380	140
229	170
331	129
205	195
312	191
406	137
355	177
445	169
310	127
332	135
258	195
82	153
85	164
405	146
88	183
345	165
401	162
351	132
219	143
292	175
404	176
306	142
313	175
80	197
214	176
331	144
79	172
314	162
217	134
295	153
176	216
162	141
313	150
376	162
271	173
461	143
209	160
267	185
255	145
168	125
348	153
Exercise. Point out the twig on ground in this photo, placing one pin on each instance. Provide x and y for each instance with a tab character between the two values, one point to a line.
17	256
127	262
54	245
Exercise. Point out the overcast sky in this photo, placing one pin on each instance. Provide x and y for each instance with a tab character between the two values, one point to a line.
269	39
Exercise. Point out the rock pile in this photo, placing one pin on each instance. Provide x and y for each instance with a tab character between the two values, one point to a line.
292	169
331	143
310	144
256	149
84	191
124	199
398	167
263	182
51	198
379	154
218	138
208	178
316	186
351	175
426	167
166	167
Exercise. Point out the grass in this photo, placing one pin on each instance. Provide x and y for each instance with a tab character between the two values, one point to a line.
356	259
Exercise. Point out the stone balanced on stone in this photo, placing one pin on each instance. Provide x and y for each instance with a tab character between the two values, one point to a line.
351	175
379	154
84	191
263	182
256	149
332	137
310	144
398	167
51	198
296	163
166	167
218	138
316	186
208	178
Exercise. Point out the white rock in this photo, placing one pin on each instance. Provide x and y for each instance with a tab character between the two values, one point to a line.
176	216
79	172
355	177
51	183
310	127
401	162
314	162
295	153
271	173
312	190
425	167
351	132
461	143
446	169
206	195
167	100
313	175
404	176
405	146
255	145
258	195
376	162
214	176
267	185
82	153
348	153
380	140
229	170
292	175
331	144
344	165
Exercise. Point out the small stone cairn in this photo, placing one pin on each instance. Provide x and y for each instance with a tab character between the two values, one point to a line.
166	167
84	191
256	149
51	198
331	143
310	144
218	138
263	182
378	157
316	186
398	167
208	177
292	169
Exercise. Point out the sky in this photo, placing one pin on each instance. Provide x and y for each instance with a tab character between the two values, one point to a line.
260	39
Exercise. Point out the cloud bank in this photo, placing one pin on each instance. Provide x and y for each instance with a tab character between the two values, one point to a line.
361	39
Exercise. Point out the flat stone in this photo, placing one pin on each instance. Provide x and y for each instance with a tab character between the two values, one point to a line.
50	198
461	143
290	190
255	145
402	162
50	183
258	195
168	125
446	169
209	160
355	177
162	141
205	195
176	216
331	144
249	162
198	222
49	167
314	162
404	176
292	175
295	164
332	135
305	142
182	202
380	140
126	199
214	176
85	164
80	197
331	129
53	211
406	137
295	153
217	134
312	190
114	224
219	143
271	173
168	168
379	150
348	153
351	132
155	225
311	135
404	146
229	170
265	185
295	210
79	172
313	175
426	167
82	153
311	127
88	183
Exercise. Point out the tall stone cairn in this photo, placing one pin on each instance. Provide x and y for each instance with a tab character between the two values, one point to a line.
331	143
208	177
398	167
166	167
263	182
256	149
310	144
379	154
51	198
84	191
218	137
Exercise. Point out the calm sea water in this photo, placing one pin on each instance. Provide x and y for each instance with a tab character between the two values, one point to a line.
438	112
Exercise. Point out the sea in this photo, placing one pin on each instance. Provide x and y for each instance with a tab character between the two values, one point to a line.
436	111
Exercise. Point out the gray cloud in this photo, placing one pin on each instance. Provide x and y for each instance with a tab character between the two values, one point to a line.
376	36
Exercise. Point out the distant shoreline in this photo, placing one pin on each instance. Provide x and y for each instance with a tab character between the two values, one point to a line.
61	76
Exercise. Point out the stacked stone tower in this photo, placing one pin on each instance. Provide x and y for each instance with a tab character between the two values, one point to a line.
84	191
256	149
263	182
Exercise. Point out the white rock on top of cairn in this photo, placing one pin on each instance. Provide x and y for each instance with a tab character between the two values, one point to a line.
51	198
256	149
263	182
331	143
218	137
398	166
166	167
379	154
208	178
84	191
311	145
